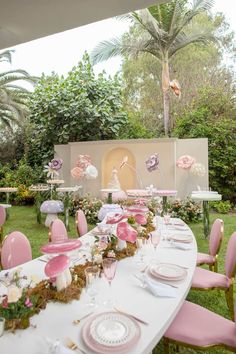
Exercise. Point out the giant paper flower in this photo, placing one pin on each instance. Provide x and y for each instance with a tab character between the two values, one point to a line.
84	168
198	169
152	162
77	173
53	167
185	162
91	172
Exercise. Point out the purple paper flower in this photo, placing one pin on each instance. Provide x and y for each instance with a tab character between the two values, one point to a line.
55	164
152	162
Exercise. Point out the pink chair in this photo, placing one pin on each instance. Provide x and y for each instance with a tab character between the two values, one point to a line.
81	223
2	221
57	231
16	250
198	328
204	279
216	237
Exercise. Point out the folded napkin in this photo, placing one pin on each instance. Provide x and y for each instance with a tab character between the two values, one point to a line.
159	289
55	347
181	245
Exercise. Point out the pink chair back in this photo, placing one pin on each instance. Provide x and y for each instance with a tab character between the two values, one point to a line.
216	237
230	259
58	232
2	215
16	250
81	223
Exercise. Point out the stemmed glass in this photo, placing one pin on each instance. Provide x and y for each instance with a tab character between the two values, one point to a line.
155	239
109	268
92	275
141	243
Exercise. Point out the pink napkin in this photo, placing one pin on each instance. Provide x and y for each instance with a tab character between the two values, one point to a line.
115	219
126	232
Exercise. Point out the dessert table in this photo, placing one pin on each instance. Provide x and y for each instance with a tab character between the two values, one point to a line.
205	197
109	192
56	321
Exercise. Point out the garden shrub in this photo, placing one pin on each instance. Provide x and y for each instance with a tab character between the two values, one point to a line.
90	207
21	176
222	207
187	210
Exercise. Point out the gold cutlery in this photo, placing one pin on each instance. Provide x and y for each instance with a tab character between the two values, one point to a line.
75	322
130	315
73	346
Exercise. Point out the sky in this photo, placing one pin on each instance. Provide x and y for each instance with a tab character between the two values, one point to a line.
60	52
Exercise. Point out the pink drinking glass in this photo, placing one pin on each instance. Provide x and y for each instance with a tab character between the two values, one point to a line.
155	239
109	270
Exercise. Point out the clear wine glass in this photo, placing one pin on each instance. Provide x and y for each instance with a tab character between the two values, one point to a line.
92	275
141	243
109	269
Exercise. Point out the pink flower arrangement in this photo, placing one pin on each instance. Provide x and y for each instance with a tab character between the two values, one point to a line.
84	168
185	162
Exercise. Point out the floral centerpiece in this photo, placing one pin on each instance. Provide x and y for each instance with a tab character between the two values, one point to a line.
16	306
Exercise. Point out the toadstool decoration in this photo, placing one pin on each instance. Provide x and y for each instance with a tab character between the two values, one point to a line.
58	267
51	208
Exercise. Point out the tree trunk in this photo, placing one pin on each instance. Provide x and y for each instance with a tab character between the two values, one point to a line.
166	96
166	106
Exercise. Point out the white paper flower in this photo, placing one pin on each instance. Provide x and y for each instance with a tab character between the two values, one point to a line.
91	172
14	293
198	169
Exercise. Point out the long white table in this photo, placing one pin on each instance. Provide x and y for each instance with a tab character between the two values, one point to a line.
55	322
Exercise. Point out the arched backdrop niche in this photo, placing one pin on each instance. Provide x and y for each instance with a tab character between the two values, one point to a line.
126	175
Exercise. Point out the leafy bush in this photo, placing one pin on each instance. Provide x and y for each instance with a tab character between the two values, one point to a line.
222	207
20	176
212	116
90	207
187	210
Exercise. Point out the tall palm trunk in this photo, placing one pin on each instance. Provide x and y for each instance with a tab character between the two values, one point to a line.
166	95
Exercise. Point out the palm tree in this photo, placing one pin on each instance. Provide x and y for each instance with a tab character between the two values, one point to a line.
164	30
13	98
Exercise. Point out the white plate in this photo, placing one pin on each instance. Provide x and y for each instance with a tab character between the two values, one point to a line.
181	238
167	271
112	329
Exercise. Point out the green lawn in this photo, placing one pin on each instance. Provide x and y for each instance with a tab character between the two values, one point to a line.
24	219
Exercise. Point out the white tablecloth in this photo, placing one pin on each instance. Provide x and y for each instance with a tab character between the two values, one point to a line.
55	322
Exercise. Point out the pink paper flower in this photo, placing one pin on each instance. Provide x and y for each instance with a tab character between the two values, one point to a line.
152	162
185	162
28	303
5	302
83	161
77	173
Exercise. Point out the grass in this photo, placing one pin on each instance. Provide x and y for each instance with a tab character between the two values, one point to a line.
24	219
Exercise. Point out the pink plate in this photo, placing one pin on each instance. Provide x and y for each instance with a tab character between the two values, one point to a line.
61	247
56	265
120	348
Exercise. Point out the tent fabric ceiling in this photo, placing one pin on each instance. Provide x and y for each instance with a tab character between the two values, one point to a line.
24	20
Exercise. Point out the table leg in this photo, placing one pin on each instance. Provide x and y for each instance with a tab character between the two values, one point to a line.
164	205
206	222
66	210
109	198
7	202
37	206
